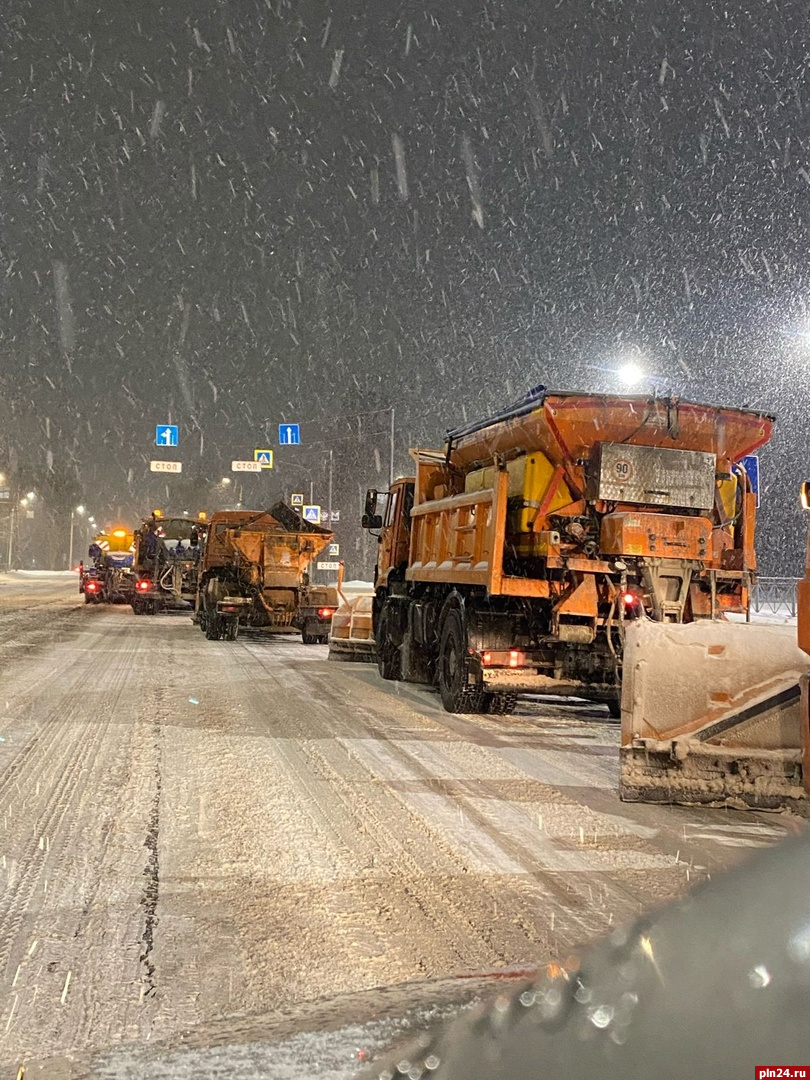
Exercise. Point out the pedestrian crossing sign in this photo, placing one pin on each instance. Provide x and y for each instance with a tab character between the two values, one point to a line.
264	458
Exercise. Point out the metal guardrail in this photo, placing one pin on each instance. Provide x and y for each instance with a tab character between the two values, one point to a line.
774	594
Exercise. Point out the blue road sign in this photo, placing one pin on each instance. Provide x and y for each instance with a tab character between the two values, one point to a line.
313	514
289	435
751	466
167	435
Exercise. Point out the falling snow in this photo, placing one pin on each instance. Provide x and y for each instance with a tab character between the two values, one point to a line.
432	213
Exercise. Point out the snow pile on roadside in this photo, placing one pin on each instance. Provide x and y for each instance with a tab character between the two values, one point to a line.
15	575
781	615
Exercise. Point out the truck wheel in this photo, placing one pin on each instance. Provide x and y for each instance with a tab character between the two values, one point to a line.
136	607
499	704
389	663
456	693
232	630
615	708
308	639
212	630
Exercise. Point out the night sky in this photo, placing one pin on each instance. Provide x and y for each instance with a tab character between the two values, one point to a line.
230	213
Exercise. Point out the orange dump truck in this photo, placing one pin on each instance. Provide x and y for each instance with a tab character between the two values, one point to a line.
516	557
254	575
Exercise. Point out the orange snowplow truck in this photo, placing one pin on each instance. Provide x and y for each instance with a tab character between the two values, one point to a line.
515	559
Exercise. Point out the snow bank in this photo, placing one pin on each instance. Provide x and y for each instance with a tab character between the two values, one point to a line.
40	573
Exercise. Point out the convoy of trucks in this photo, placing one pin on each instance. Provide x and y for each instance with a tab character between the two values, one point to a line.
596	546
242	570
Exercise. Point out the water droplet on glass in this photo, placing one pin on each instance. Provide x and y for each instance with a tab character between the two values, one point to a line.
759	976
799	944
601	1016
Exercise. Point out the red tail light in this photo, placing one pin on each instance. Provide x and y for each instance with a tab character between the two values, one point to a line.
514	658
142	586
91	586
326	612
629	599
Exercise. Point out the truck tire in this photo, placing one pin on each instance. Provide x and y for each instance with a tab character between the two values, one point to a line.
88	598
389	662
499	704
212	628
231	630
137	606
456	693
615	708
308	639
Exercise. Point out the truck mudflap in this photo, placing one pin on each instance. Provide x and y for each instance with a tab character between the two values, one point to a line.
715	713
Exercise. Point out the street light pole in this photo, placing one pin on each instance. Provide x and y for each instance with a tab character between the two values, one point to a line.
80	511
12	520
329	505
391	449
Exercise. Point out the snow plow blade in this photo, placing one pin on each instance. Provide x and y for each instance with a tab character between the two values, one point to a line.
715	713
351	636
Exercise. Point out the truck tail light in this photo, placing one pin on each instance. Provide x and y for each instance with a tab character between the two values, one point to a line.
326	612
91	586
633	604
514	658
142	586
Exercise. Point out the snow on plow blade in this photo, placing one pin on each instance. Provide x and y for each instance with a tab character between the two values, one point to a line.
715	713
351	636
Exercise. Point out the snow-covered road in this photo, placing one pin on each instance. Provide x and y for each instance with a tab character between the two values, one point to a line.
193	829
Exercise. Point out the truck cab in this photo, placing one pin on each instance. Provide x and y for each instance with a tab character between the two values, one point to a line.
390	513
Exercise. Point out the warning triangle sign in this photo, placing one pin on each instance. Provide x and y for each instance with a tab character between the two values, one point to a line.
264	458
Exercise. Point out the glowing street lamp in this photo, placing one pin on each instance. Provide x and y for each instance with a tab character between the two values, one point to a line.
630	373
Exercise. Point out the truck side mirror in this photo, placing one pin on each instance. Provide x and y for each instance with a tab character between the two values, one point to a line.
371	519
805	495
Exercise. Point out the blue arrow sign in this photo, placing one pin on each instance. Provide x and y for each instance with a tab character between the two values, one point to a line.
167	435
289	435
751	466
